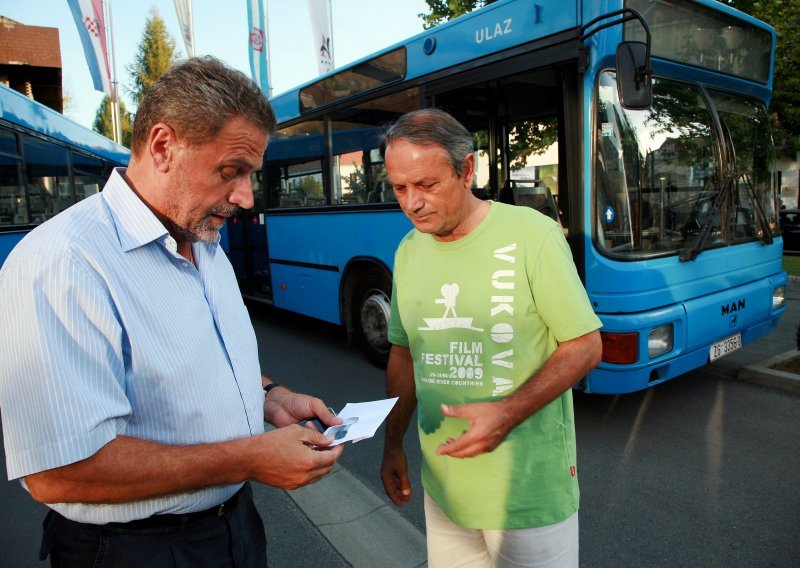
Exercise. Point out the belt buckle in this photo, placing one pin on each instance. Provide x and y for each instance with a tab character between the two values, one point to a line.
221	510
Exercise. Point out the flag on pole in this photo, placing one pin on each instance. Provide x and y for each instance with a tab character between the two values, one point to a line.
184	10
91	24
321	31
259	49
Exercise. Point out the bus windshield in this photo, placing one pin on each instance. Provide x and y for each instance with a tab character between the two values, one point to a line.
661	174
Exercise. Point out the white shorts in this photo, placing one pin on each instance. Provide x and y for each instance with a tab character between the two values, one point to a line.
453	546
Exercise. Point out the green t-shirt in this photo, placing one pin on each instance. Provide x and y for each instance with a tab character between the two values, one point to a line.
480	316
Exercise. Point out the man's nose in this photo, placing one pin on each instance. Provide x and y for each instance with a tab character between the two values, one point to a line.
414	199
242	194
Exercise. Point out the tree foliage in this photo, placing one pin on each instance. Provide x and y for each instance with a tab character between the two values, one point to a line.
156	54
785	105
103	123
444	10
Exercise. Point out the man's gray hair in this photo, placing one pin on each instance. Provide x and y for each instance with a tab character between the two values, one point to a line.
432	126
197	97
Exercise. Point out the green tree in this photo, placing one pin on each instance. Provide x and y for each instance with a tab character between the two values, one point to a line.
444	10
785	104
103	125
156	54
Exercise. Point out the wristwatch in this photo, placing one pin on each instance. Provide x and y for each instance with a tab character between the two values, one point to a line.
269	387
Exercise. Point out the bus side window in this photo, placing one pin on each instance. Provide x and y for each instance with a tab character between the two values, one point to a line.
13	207
88	175
49	188
302	185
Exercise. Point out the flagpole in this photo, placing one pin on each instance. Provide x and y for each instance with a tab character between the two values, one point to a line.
330	31
115	110
191	29
266	47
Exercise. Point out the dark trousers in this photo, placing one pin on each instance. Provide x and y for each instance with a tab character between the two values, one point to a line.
230	537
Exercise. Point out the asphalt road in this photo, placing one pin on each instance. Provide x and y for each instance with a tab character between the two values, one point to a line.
700	471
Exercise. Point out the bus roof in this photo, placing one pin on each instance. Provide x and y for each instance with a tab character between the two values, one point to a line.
18	109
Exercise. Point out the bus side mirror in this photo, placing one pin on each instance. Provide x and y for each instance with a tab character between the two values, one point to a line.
633	76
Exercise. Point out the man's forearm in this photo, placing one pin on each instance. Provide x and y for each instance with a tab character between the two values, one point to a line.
400	383
571	361
130	469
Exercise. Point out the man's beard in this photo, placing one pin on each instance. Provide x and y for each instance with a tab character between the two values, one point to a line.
204	230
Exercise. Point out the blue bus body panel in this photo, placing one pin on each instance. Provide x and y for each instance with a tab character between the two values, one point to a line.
497	27
317	264
630	287
8	240
19	109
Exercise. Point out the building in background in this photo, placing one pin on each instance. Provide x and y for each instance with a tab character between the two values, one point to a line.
30	61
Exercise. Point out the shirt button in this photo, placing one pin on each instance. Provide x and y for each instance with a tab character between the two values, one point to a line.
185	264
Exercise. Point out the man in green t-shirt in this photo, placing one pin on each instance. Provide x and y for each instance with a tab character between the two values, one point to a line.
490	329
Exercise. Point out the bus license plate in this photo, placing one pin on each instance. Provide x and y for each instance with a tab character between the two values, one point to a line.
725	347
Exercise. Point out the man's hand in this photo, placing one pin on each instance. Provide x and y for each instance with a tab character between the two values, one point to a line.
394	474
287	460
283	407
489	424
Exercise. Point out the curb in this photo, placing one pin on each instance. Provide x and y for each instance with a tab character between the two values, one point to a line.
762	373
354	520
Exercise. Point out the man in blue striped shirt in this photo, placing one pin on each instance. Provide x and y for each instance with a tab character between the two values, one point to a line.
130	387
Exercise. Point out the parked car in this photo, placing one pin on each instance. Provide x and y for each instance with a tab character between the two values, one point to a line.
790	227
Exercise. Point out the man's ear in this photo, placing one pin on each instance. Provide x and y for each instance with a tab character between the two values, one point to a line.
162	145
468	170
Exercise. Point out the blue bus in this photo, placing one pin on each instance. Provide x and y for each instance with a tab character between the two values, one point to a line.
639	125
47	163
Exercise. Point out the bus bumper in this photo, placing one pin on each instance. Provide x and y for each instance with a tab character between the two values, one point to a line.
693	337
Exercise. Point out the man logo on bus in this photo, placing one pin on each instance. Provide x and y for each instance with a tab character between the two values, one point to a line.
732	308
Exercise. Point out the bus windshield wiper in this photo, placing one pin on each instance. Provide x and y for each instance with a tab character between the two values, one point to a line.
690	253
758	208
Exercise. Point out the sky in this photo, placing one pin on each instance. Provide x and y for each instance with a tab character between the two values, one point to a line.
360	27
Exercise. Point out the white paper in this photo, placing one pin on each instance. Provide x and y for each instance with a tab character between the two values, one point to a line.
361	420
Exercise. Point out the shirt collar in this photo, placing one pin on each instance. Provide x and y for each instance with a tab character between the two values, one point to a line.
135	222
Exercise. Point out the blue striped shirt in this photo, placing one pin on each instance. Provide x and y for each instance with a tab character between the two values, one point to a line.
106	330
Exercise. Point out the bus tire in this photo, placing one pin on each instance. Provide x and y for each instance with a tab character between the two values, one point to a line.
372	303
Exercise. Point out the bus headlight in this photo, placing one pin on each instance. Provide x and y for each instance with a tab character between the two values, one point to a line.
778	297
660	340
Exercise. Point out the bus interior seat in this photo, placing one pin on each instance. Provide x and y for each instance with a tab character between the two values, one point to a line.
293	199
530	193
381	193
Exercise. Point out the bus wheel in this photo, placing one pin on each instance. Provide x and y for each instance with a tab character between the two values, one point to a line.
372	300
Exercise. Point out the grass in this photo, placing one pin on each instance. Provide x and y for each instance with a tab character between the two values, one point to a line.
791	264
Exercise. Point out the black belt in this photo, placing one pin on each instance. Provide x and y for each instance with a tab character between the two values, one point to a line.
176	520
181	520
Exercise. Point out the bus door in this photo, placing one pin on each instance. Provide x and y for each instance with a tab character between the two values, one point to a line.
520	131
247	245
